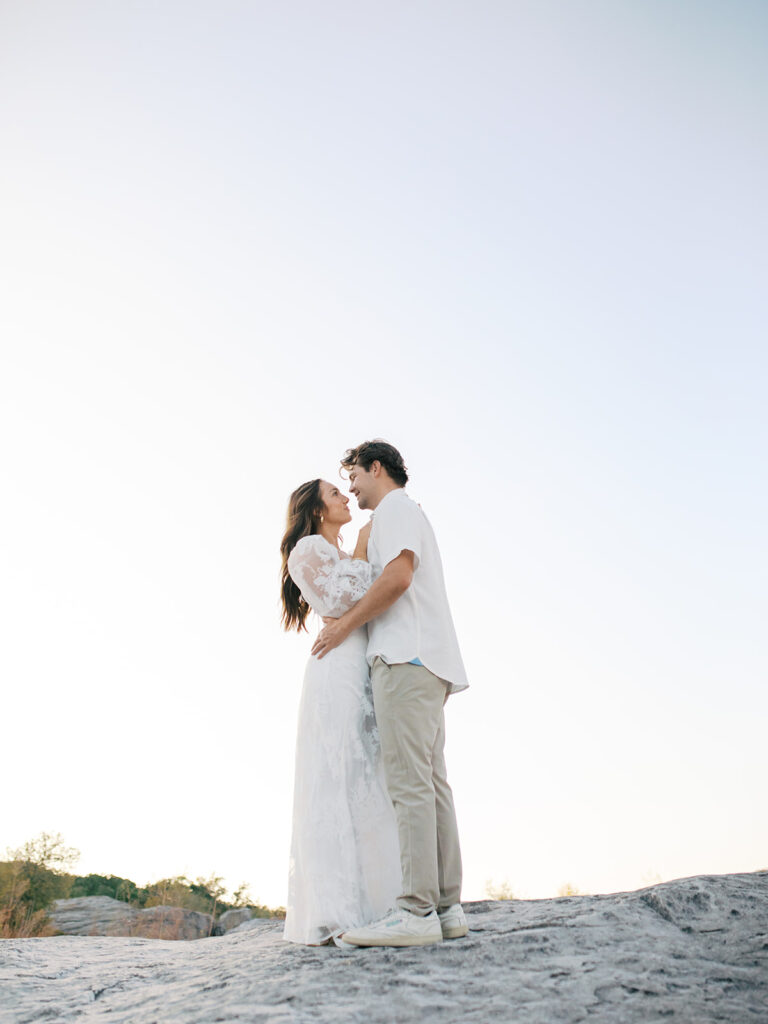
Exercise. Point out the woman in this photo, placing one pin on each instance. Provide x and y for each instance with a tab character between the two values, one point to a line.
345	859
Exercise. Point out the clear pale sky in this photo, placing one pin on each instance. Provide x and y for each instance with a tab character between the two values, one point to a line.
526	243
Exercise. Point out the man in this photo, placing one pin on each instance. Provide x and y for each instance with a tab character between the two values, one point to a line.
415	664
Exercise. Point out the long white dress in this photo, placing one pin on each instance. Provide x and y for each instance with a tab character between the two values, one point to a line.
345	856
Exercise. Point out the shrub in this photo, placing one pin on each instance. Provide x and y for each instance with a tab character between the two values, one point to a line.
568	889
18	917
499	890
30	881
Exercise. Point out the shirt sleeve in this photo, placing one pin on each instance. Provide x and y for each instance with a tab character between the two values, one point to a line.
399	527
329	584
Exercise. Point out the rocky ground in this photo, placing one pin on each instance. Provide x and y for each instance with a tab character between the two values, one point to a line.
691	951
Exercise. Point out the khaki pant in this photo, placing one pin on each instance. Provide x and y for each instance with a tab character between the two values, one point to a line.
409	703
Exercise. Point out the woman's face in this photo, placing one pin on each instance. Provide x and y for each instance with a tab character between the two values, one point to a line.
336	504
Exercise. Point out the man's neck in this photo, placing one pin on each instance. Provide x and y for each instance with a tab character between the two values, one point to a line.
389	490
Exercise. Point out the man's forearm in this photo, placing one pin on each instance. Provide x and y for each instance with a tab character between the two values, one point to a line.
392	583
382	595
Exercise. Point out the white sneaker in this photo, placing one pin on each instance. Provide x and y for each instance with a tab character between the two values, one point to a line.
453	922
398	928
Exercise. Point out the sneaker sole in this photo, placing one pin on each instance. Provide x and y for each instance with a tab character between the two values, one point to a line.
456	933
398	941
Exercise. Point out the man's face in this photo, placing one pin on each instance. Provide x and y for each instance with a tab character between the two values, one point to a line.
361	484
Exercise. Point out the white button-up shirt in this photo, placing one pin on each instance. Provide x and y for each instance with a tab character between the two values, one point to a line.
419	623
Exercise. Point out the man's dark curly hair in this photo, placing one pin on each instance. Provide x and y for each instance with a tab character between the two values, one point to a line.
377	451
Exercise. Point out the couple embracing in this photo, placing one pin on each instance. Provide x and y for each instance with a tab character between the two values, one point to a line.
375	857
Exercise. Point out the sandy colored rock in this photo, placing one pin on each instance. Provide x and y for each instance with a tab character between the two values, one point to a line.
694	951
170	923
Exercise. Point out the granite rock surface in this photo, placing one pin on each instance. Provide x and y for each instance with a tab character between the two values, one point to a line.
692	951
233	919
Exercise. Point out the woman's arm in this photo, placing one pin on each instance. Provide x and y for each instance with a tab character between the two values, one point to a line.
394	581
361	548
330	585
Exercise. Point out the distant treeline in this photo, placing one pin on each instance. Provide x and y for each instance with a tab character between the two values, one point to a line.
36	874
205	895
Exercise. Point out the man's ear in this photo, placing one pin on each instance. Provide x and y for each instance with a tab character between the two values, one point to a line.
376	468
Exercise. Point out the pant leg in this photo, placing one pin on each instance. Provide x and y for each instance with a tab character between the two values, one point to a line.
448	849
409	711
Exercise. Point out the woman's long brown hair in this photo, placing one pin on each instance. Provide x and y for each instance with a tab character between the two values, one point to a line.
305	507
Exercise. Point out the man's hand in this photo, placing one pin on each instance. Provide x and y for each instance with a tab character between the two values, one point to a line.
334	632
393	582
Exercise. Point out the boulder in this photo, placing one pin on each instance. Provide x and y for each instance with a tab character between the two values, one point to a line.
257	923
170	923
101	915
233	919
92	915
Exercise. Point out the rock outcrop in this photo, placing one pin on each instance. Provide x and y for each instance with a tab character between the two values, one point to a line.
101	915
694	951
92	915
233	919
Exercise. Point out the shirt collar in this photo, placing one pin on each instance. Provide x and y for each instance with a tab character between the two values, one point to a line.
387	496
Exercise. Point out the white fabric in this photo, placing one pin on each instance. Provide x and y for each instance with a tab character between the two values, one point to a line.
329	580
419	623
345	855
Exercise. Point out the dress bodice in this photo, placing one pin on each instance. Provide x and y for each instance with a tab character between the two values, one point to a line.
329	580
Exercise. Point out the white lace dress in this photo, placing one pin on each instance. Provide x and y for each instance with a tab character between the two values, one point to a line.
345	856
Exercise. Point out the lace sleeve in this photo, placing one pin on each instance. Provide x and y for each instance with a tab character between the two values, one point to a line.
329	584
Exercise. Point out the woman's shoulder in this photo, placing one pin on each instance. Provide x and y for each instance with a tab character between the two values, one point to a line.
313	544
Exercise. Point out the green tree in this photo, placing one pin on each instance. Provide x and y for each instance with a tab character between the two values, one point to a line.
47	851
105	885
42	862
242	897
33	877
172	892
